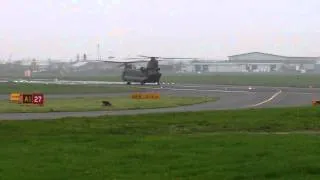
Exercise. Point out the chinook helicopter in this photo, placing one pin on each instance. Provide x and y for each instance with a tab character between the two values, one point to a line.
149	74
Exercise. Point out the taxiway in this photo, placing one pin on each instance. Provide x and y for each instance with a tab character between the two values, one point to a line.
230	97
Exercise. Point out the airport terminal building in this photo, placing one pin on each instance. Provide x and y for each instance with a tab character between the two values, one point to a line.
259	62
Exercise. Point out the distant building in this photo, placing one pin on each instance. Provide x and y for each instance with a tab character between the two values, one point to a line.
259	62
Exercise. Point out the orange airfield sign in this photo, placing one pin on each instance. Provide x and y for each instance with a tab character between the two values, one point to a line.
145	96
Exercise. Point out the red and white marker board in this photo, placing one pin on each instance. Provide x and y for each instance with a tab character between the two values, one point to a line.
34	98
38	98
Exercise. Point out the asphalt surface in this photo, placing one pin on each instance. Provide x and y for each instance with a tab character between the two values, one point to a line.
230	97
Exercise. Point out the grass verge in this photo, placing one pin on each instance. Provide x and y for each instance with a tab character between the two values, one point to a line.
7	88
95	104
202	145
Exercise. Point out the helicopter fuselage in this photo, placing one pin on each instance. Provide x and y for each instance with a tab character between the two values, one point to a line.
141	75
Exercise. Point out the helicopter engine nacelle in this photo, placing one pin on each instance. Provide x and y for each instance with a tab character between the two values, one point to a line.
142	69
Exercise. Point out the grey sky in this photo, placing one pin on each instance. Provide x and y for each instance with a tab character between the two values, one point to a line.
188	28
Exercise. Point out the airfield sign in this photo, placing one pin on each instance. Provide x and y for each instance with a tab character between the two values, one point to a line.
37	98
26	98
145	96
14	97
21	98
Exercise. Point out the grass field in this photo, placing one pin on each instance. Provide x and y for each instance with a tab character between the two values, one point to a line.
95	104
7	88
204	145
295	80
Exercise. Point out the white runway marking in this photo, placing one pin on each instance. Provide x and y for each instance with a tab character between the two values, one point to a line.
267	100
190	86
301	93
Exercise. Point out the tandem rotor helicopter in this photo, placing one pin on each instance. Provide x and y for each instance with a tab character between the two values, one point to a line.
149	74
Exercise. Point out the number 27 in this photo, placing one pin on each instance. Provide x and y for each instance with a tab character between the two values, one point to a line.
37	99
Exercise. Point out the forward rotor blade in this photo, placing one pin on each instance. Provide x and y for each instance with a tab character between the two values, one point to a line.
122	60
179	58
165	57
147	56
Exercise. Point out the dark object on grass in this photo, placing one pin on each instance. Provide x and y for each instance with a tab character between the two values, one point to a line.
106	103
315	102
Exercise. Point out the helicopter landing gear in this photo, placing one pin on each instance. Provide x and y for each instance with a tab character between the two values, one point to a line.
142	82
128	83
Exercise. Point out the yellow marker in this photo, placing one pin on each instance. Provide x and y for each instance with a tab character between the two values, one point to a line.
14	97
145	96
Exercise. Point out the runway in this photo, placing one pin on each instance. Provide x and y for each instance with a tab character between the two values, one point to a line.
230	97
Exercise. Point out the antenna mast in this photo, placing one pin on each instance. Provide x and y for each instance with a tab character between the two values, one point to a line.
98	52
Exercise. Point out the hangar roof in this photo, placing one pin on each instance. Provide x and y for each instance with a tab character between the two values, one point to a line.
269	54
267	57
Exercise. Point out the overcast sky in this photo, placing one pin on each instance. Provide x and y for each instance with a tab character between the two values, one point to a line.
187	28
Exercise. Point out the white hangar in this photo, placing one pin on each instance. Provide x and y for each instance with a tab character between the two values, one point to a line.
259	62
